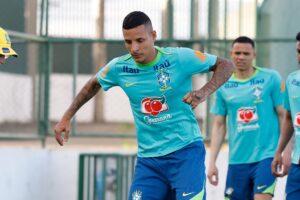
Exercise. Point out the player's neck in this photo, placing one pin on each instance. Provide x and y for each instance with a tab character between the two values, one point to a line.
152	56
244	74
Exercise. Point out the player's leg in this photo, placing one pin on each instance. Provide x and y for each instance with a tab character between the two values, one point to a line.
148	182
264	181
293	183
238	183
187	172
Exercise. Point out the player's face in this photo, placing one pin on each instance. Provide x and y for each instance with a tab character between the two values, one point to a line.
242	55
139	41
298	51
2	59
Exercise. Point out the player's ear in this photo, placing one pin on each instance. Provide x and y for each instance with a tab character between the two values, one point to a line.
154	35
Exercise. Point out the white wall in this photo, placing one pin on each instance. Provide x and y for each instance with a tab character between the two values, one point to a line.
38	174
44	174
15	98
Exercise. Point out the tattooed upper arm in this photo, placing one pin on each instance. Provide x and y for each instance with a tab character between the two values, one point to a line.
222	71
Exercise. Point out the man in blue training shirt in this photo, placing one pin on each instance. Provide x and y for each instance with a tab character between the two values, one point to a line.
158	83
291	124
251	100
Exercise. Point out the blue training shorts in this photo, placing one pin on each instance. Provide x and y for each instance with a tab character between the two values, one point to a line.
246	180
179	175
292	189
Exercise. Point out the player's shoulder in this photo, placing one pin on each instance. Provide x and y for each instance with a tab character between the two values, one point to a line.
173	50
268	71
167	50
293	75
123	59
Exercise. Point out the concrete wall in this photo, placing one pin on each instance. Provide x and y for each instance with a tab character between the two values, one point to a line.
35	174
45	174
279	19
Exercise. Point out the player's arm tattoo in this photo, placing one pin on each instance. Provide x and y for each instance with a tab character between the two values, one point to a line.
88	91
223	69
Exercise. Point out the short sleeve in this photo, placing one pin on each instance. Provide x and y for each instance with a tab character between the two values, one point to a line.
194	62
277	90
218	105
286	102
107	76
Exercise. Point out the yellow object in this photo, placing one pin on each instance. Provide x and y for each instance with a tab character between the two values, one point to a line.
5	44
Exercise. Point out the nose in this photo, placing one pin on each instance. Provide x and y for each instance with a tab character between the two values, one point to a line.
240	56
135	47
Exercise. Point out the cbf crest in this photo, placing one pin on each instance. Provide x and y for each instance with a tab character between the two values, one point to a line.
137	195
257	92
164	79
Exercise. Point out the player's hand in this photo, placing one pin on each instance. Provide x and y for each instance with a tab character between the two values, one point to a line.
194	98
277	167
62	127
213	174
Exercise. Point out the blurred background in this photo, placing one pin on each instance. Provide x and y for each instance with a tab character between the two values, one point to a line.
62	43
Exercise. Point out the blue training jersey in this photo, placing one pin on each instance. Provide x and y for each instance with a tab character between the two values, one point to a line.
292	104
250	107
155	91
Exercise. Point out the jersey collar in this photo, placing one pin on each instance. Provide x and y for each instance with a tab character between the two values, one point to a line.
234	78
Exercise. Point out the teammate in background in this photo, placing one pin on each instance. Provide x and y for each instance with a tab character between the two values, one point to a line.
158	83
5	46
251	100
291	124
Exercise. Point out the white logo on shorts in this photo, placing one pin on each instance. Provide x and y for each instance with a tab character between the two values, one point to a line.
137	195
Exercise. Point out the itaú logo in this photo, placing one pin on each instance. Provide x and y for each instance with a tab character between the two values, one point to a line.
297	120
247	115
154	105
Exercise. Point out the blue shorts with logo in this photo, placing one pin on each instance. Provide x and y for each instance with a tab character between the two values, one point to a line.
179	175
292	189
246	180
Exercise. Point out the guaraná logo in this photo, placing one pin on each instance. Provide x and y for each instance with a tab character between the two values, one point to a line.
154	105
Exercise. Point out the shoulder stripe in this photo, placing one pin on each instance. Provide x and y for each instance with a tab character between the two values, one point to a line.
105	71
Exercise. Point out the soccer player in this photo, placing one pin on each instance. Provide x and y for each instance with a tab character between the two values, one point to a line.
251	100
5	46
158	83
291	124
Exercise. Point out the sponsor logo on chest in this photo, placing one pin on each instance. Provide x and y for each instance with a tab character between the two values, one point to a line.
257	81
296	82
152	107
231	85
127	69
297	120
163	65
245	117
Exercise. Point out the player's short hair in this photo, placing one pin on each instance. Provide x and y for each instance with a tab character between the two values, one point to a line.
134	19
244	39
298	37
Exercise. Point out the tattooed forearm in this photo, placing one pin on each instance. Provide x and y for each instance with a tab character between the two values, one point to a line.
89	90
223	69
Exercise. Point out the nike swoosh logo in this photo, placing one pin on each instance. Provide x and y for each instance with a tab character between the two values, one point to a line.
230	98
130	84
261	187
187	194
